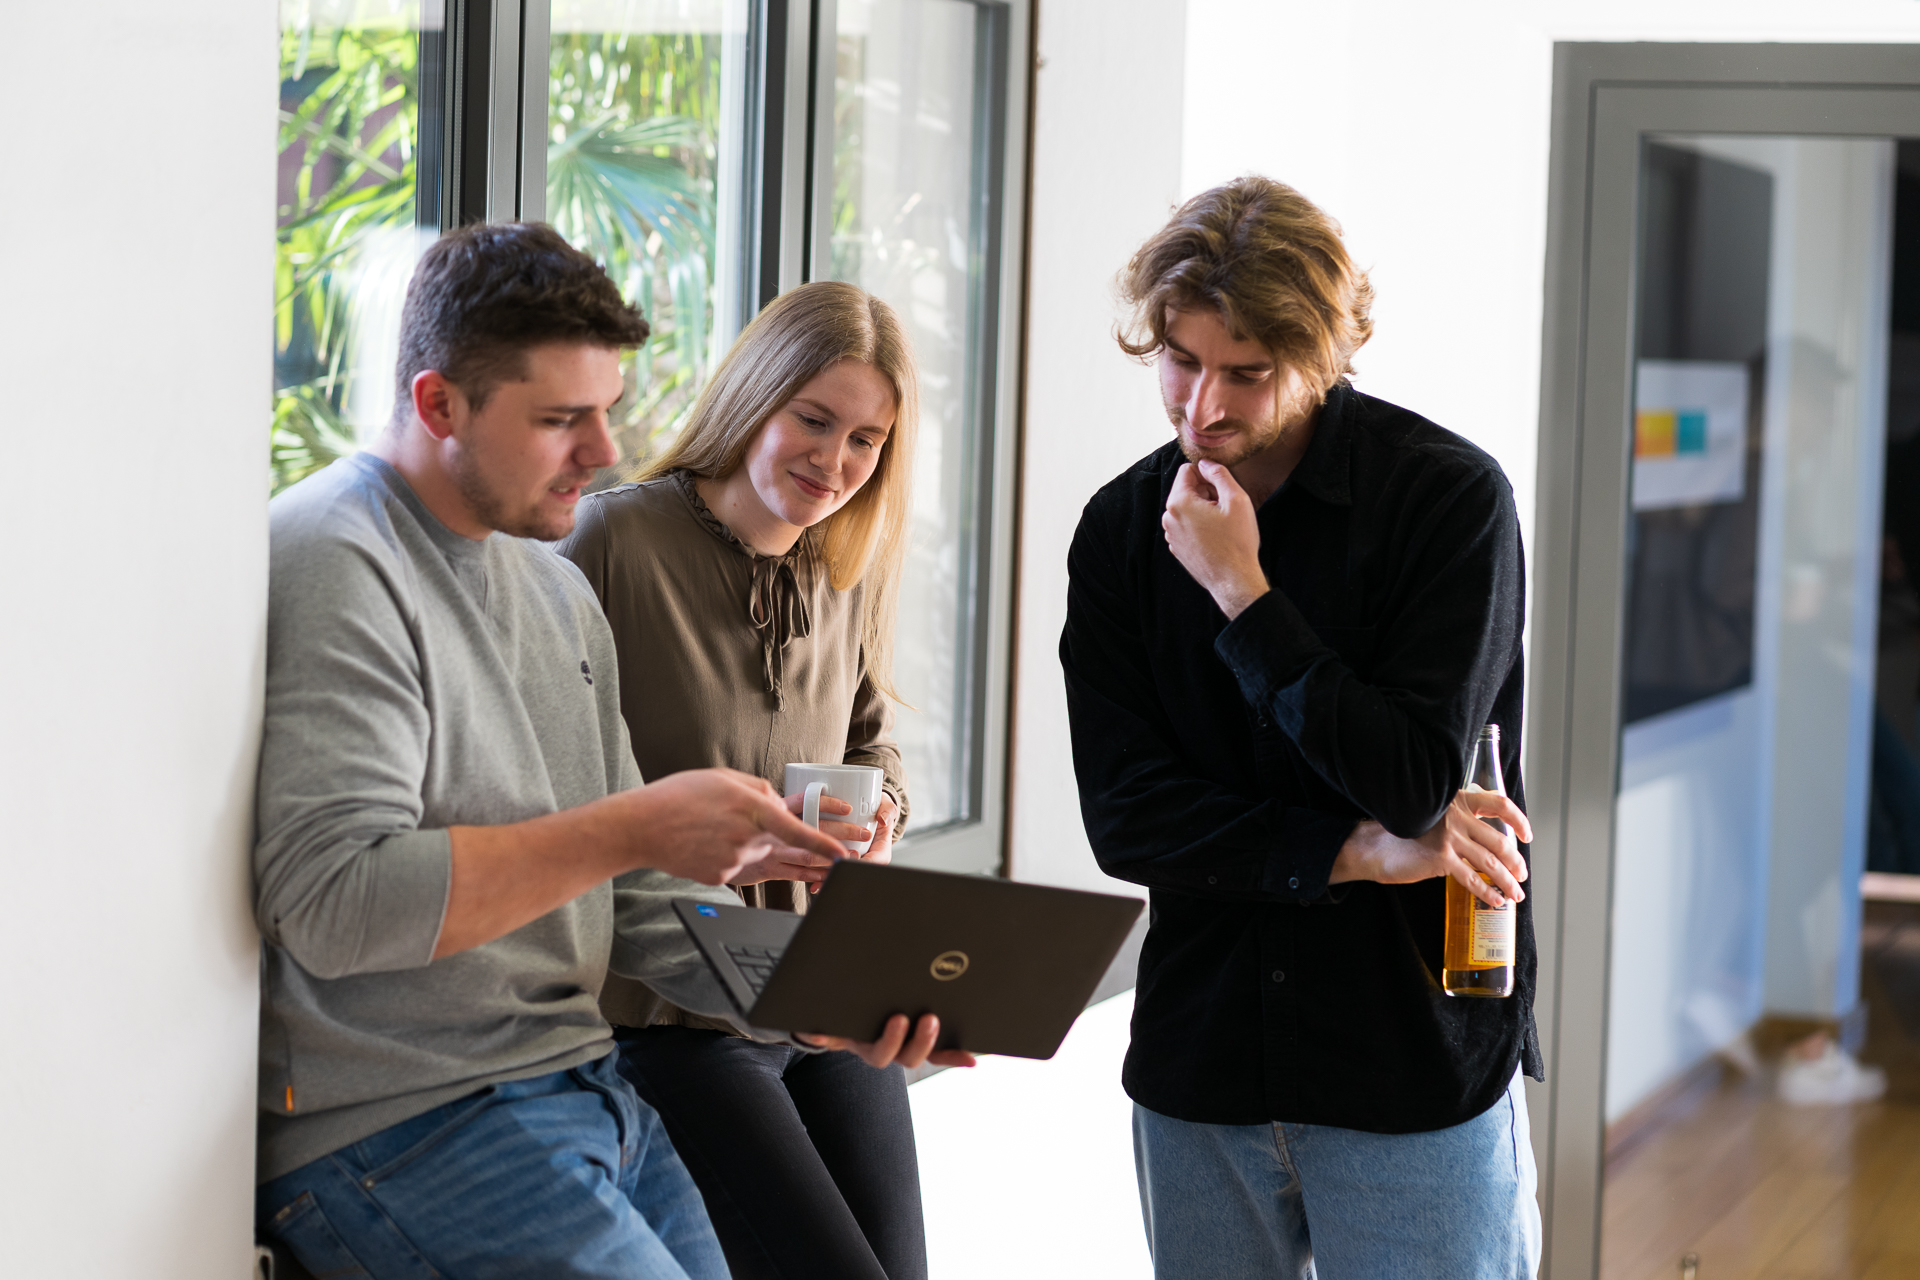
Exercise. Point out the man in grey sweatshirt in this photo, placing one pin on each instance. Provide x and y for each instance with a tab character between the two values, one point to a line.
453	846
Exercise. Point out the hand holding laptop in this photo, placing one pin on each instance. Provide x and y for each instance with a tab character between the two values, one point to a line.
894	1046
985	965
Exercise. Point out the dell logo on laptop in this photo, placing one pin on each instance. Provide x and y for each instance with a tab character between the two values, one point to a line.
949	965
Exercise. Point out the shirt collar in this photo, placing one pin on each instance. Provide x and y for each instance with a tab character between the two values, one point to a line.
1325	469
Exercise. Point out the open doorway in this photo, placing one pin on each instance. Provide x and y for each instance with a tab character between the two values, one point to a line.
1763	1053
1723	746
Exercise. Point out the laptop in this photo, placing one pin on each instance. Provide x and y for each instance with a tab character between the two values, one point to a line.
1006	966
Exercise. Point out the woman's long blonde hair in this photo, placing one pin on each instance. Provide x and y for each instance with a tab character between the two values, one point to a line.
798	336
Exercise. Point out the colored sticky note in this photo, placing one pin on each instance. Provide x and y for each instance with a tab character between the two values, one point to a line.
1690	431
1654	432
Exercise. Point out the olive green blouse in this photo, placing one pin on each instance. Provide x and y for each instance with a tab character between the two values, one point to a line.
727	657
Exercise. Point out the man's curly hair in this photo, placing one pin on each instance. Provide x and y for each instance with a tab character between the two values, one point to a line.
1270	263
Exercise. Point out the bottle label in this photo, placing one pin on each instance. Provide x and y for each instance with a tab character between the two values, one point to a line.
1492	940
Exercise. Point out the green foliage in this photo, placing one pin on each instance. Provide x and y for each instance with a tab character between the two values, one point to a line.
351	130
630	181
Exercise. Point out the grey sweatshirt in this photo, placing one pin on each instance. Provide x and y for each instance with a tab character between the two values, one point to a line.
417	680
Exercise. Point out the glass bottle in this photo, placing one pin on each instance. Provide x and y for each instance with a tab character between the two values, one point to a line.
1480	939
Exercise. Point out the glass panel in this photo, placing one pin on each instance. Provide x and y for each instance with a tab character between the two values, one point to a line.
358	199
910	221
1757	762
646	158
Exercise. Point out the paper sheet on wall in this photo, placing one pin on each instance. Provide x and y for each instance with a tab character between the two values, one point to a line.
1689	433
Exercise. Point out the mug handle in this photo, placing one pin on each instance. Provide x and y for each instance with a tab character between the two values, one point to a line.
810	807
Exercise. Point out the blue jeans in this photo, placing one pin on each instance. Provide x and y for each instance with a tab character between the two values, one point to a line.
563	1175
1312	1202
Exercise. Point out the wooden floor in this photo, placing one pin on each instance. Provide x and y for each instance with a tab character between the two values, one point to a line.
1760	1190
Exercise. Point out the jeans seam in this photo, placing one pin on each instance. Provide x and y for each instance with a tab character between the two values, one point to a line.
741	1218
479	1102
309	1205
365	1190
1513	1134
1283	1150
626	1127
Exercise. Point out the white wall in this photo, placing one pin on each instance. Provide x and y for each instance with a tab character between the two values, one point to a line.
1106	174
1690	863
1026	1167
135	283
1424	128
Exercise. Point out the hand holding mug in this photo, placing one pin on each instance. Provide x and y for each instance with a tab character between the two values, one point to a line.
851	788
848	832
884	821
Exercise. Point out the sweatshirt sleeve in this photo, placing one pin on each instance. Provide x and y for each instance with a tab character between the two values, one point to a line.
345	881
650	945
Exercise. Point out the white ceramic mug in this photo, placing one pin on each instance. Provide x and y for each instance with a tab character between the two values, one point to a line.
857	784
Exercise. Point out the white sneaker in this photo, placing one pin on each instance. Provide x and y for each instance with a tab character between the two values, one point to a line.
1832	1079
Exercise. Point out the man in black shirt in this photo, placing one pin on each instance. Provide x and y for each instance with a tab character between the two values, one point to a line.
1284	631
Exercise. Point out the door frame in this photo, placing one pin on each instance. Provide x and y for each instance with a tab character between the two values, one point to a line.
1606	98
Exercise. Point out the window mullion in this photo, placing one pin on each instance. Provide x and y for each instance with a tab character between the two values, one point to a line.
819	208
493	156
536	23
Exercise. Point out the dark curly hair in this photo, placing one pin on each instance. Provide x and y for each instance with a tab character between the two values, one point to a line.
1270	262
485	293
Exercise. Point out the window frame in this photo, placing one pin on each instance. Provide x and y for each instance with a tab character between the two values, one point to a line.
494	135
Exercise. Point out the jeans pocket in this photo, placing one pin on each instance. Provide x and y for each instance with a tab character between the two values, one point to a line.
303	1227
422	1134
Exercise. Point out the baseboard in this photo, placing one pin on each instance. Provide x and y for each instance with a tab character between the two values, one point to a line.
1640	1120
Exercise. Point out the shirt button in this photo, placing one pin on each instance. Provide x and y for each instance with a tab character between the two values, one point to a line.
1278	976
1293	882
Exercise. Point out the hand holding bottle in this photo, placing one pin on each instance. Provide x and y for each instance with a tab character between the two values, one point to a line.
1482	933
1474	844
1461	846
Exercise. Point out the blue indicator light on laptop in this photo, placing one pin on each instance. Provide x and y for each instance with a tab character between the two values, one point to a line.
706	910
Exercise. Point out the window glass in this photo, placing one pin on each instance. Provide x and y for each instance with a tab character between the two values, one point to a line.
355	184
646	150
910	220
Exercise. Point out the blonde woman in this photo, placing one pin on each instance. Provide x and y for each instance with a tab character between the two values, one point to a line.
751	576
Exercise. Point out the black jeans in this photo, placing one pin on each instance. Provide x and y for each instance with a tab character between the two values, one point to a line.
806	1161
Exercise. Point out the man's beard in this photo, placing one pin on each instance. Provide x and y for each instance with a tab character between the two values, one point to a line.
1249	438
491	509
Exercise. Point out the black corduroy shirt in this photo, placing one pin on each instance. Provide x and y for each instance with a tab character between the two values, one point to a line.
1222	765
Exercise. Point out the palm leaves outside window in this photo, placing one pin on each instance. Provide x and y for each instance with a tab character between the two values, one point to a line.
631	176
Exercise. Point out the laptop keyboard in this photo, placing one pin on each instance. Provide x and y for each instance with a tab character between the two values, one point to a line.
755	964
